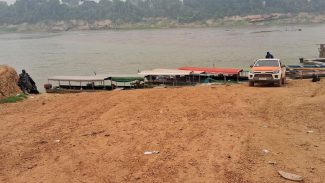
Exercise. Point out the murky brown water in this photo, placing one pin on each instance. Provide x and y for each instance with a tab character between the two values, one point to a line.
82	53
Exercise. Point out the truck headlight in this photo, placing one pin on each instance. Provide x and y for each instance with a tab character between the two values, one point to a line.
276	72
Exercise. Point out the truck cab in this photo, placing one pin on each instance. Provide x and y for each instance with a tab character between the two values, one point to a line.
267	71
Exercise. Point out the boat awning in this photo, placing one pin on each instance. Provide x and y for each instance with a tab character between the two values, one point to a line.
316	59
93	78
224	71
322	63
165	72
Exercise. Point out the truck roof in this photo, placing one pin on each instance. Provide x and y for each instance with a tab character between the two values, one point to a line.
269	59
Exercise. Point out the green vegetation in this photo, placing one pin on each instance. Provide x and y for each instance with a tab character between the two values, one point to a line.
13	99
7	29
135	11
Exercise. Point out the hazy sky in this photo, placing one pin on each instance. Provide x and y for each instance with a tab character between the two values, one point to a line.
9	1
12	1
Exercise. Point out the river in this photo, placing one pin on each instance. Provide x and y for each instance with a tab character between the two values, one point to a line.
125	52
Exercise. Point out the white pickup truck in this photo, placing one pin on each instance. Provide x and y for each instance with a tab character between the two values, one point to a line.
267	71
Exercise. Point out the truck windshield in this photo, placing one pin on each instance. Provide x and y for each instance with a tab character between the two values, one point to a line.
267	63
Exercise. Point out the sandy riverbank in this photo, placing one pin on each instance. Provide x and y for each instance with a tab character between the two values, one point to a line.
203	134
163	23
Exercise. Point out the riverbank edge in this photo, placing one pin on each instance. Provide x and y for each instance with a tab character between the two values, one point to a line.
165	23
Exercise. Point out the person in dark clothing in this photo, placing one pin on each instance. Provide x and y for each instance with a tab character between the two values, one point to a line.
27	84
269	55
316	78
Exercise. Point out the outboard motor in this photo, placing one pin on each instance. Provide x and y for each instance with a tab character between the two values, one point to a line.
47	86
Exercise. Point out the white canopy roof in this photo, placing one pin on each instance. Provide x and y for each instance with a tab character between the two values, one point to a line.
80	78
164	72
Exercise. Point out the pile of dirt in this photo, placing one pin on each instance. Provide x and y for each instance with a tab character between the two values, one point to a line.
235	133
8	81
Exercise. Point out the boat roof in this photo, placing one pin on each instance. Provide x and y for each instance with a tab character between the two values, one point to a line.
229	71
164	72
125	78
93	78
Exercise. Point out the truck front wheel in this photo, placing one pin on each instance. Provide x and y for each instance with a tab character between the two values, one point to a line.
251	83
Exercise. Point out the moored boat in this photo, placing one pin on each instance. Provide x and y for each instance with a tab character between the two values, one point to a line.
76	84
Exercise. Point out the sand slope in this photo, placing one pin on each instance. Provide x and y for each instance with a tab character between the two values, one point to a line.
204	134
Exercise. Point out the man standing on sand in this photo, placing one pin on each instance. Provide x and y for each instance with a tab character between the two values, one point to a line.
269	55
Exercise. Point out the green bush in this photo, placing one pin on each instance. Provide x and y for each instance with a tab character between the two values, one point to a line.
13	99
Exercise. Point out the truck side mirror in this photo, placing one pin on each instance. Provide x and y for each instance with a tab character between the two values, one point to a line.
283	66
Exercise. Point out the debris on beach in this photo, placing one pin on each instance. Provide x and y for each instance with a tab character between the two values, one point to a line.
151	152
291	176
56	141
94	133
272	162
265	151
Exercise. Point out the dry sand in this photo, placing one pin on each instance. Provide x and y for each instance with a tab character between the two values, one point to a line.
203	134
8	81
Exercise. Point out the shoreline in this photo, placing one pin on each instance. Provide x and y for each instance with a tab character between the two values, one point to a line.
5	31
164	23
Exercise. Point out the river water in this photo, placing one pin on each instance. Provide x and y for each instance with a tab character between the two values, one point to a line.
125	52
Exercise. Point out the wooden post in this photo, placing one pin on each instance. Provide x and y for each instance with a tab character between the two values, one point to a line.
322	51
193	80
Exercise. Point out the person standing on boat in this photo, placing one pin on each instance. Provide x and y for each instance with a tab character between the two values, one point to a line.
269	55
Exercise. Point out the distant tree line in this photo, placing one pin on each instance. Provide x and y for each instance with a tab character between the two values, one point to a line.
32	11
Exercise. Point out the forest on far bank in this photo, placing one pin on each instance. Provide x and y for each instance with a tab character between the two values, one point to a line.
185	11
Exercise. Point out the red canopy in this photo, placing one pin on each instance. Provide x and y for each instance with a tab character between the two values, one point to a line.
225	71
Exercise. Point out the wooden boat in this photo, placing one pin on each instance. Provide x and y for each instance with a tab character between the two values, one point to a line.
316	61
305	71
76	84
